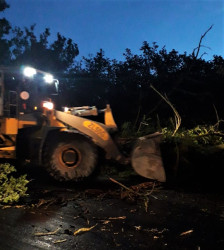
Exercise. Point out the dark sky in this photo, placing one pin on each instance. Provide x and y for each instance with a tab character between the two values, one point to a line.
114	25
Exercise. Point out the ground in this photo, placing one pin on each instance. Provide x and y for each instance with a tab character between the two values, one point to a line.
113	217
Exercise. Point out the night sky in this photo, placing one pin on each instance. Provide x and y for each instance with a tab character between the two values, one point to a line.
115	25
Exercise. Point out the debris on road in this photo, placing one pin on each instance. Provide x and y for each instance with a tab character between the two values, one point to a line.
84	229
59	241
138	228
14	206
144	223
137	191
47	233
187	232
117	218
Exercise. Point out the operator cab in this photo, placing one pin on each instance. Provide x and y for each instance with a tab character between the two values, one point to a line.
23	93
23	90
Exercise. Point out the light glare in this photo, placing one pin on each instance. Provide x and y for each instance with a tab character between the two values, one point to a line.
48	105
48	78
66	109
29	72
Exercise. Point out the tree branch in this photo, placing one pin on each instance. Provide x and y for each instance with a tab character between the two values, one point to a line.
200	45
176	114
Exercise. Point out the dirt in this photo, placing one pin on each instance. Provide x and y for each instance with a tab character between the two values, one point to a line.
113	217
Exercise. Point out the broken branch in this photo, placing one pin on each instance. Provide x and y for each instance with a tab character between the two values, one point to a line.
48	233
187	232
176	114
199	45
59	241
84	229
122	185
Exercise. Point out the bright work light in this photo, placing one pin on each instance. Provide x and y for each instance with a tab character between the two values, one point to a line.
48	78
29	72
66	109
48	105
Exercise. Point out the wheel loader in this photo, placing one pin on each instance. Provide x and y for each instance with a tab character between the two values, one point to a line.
63	140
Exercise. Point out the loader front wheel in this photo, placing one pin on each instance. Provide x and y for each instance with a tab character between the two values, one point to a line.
72	157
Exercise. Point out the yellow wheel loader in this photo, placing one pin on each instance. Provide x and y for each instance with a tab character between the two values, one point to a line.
65	142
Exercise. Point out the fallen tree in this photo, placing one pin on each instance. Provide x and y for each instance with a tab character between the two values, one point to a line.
11	188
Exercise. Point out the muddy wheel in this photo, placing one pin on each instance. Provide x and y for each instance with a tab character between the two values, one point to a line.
71	157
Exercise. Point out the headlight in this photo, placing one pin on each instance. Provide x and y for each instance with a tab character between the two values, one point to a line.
29	72
48	78
48	105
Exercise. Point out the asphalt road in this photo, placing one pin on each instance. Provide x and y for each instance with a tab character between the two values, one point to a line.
109	217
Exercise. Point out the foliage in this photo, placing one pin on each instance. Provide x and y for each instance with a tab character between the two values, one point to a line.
192	84
4	31
3	5
29	49
193	155
23	47
127	130
145	127
203	135
11	188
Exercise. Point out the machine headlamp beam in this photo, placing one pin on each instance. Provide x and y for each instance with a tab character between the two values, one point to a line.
48	105
48	78
29	72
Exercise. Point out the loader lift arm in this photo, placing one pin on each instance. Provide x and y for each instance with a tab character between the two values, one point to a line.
146	156
95	130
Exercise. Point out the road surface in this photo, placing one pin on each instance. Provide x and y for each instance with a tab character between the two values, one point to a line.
113	217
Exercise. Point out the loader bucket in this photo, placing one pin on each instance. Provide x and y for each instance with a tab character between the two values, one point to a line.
146	158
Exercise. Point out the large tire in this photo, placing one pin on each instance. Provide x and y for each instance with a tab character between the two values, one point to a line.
70	157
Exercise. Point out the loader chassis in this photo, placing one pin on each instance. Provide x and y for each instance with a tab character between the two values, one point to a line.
65	142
